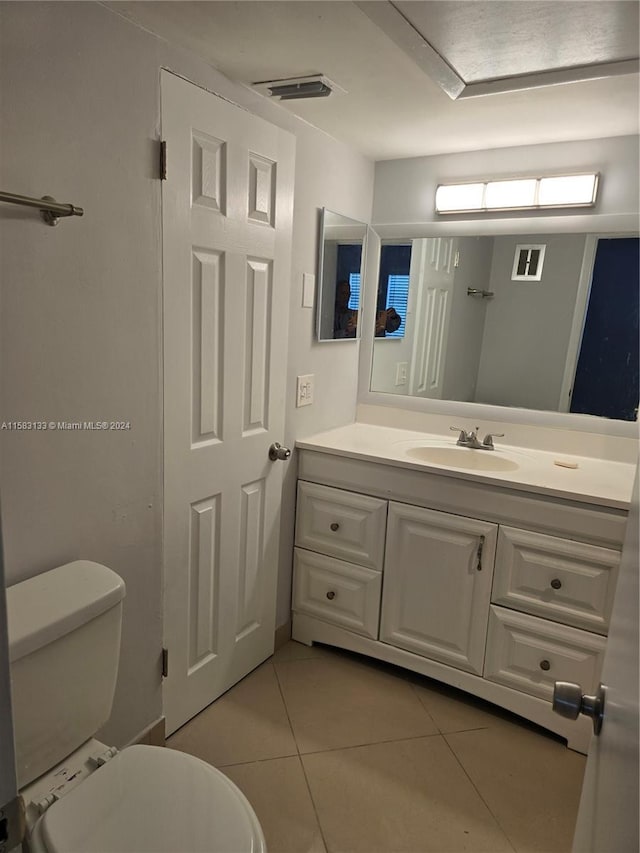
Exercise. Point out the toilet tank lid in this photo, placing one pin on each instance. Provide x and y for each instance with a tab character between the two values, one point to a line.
54	603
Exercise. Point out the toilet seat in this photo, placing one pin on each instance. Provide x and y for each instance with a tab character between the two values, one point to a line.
147	799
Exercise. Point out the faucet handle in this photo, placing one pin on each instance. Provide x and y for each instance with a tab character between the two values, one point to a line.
463	437
488	439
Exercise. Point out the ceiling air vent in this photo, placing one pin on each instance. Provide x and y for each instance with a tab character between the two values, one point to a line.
527	263
296	88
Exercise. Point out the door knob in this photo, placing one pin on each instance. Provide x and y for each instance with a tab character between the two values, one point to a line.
569	701
277	451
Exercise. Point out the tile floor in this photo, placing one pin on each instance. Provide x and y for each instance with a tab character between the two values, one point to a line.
339	753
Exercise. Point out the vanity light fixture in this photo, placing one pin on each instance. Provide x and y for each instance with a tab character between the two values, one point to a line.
518	194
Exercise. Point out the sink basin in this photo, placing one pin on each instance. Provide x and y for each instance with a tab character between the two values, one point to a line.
463	457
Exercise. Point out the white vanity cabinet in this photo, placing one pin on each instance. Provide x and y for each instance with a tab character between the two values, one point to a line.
496	591
437	585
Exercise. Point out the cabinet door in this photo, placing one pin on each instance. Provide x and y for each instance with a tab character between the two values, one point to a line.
437	585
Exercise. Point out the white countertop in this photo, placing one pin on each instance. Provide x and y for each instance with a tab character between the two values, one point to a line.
594	481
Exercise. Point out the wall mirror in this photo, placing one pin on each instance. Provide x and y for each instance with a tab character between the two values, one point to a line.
544	321
340	266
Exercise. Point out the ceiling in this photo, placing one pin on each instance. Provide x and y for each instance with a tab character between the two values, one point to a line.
393	104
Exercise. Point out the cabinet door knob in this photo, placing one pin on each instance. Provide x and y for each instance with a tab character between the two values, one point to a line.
556	584
331	595
545	665
335	526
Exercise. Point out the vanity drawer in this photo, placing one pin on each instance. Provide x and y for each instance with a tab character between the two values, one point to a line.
559	579
341	524
337	592
530	654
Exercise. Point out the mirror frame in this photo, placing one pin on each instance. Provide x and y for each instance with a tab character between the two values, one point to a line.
479	411
320	272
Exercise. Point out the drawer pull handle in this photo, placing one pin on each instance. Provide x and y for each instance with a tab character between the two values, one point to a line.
331	595
335	526
545	665
556	584
479	553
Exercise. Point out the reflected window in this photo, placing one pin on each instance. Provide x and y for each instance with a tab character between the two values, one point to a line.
354	284
348	269
347	304
398	298
393	290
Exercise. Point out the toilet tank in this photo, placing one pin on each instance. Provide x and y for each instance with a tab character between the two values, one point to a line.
64	644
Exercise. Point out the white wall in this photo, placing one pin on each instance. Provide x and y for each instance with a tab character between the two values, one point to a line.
81	334
328	174
389	352
528	324
405	189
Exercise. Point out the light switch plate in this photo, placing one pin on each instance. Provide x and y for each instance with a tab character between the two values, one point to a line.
304	390
308	289
402	369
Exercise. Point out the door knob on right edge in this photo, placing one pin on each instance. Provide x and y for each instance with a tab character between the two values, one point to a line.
569	701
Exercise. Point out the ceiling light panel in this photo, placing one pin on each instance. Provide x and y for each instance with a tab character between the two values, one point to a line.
509	194
517	194
569	189
459	197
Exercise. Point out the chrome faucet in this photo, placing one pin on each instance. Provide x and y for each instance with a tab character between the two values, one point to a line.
470	439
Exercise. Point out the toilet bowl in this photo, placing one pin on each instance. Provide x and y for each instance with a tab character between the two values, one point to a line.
147	799
81	796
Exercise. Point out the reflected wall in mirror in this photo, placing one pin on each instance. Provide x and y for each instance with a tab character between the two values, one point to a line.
479	329
340	265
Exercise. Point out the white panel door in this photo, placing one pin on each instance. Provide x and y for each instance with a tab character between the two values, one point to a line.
433	314
608	813
227	209
437	584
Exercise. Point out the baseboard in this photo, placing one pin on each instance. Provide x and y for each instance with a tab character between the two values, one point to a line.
282	635
154	735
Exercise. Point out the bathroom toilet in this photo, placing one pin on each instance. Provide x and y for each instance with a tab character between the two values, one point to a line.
81	796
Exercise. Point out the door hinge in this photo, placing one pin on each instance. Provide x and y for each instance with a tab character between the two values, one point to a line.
12	824
163	160
165	663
